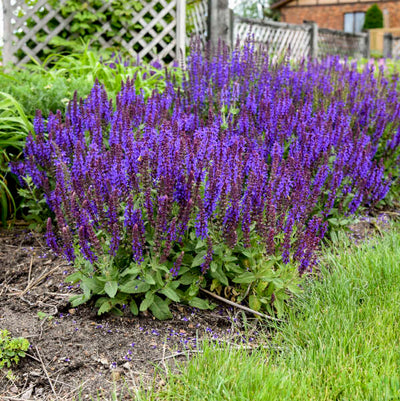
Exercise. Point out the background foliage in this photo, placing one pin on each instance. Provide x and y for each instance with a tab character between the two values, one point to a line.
373	18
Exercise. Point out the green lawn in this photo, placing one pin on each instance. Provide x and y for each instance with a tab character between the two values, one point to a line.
341	342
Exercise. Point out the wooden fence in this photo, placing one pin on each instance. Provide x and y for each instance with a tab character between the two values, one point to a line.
156	32
391	46
332	42
198	20
377	35
396	47
280	39
299	41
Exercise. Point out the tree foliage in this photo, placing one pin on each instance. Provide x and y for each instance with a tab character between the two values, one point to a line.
373	18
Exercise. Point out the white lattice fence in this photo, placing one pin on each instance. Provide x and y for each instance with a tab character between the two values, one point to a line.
153	32
332	42
281	39
396	47
197	20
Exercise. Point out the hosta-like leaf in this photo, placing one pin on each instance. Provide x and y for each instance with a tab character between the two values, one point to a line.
134	287
149	279
133	307
170	293
199	303
220	276
147	302
159	308
199	259
111	288
105	307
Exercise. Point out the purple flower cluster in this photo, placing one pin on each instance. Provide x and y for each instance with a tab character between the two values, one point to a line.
242	150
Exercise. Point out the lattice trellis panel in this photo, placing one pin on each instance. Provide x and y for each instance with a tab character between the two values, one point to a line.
396	47
197	20
281	39
332	42
153	33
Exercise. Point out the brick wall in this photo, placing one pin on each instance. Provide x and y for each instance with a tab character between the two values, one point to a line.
332	15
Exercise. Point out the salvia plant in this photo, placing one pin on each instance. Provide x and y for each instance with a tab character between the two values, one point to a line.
225	181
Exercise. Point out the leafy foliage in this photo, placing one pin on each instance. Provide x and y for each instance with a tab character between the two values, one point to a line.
373	18
14	128
49	86
11	349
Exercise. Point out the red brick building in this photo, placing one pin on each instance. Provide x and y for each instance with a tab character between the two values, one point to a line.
344	15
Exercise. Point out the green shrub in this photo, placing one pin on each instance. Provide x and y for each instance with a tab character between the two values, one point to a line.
11	349
42	90
373	18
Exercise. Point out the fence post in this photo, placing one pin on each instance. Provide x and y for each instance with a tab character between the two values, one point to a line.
219	27
387	45
313	38
7	30
367	44
180	31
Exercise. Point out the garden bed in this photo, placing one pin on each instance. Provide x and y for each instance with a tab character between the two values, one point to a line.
84	354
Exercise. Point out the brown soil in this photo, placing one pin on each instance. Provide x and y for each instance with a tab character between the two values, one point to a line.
74	353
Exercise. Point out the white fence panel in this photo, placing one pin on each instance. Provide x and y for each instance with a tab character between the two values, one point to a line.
151	33
280	39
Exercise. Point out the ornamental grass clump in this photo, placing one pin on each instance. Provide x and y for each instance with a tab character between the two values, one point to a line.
226	181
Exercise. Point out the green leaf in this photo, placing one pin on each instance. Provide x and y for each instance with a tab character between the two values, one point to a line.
93	284
254	303
266	274
229	258
159	280
134	287
199	303
111	288
245	278
192	291
220	276
171	294
134	271
116	311
200	244
74	277
147	302
149	279
159	308
133	307
188	278
278	283
234	268
199	259
78	299
105	307
213	266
